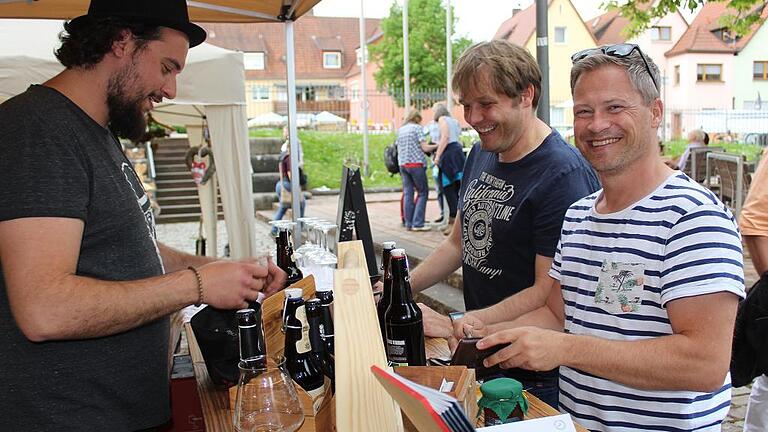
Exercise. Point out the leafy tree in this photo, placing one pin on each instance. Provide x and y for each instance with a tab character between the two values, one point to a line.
746	13
426	41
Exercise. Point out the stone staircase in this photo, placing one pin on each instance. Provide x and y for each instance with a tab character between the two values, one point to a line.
265	155
176	191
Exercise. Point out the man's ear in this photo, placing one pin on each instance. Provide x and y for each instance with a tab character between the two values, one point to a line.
122	46
526	97
657	112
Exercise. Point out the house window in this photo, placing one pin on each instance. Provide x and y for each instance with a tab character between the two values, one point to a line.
661	33
332	60
260	93
760	70
677	74
709	72
560	35
253	60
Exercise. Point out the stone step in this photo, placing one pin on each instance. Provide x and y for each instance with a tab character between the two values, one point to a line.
171	167
176	191
265	146
265	163
164	160
183	208
179	152
263	200
175	175
162	184
264	182
168	143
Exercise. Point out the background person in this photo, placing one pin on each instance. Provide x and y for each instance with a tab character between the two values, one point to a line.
449	157
753	222
413	171
85	289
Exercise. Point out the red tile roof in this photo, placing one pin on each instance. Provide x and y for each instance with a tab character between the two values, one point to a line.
518	28
607	28
699	38
312	36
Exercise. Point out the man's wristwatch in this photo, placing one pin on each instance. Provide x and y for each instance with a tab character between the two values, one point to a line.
456	315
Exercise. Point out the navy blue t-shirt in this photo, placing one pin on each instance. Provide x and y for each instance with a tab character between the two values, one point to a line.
511	212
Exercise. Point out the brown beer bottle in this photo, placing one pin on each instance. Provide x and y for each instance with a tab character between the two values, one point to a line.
386	294
404	328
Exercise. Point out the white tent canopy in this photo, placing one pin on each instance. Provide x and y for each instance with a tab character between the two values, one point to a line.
212	83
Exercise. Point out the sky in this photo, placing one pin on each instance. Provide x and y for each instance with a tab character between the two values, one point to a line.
477	19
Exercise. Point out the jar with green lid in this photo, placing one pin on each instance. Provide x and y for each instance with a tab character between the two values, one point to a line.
502	401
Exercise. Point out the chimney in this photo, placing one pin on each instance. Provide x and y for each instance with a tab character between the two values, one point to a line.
516	8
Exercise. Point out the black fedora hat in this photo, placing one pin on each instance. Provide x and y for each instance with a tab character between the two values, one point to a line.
165	13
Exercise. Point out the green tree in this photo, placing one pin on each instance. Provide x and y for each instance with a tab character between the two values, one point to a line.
427	56
745	13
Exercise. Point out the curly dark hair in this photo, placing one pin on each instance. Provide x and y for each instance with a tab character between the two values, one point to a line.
85	42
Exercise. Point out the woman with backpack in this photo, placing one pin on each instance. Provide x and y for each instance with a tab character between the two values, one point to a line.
413	171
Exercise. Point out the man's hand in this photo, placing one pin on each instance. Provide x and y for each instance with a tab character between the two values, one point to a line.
469	326
275	279
531	348
435	325
231	284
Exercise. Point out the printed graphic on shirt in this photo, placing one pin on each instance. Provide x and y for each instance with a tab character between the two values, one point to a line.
143	200
620	287
484	201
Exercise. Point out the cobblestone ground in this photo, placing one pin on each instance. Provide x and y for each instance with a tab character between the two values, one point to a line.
182	236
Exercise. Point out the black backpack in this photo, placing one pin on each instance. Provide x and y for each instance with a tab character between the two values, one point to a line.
390	159
749	358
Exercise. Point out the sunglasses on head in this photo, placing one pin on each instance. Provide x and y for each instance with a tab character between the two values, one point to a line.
618	50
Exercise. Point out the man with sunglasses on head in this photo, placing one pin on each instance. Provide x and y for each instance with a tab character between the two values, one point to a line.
647	275
518	182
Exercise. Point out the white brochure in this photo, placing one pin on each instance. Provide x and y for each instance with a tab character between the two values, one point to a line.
560	423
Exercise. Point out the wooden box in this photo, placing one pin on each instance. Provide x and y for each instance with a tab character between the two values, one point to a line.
464	385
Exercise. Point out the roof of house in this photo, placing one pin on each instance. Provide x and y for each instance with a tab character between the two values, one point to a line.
607	28
700	37
313	35
521	26
377	35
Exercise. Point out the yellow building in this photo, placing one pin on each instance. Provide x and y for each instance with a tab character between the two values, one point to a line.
567	34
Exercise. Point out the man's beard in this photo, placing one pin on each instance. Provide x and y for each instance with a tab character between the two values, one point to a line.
126	117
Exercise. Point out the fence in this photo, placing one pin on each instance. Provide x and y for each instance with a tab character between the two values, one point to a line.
742	125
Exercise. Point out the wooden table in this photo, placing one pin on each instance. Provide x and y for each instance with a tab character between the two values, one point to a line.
215	402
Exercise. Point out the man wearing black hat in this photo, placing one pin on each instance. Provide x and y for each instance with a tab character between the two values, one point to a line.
85	289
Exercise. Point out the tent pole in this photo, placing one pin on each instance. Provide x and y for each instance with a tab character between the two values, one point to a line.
363	90
293	133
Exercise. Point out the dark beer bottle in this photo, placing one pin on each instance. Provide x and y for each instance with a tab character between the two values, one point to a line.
298	356
285	255
253	351
326	300
316	338
405	332
386	293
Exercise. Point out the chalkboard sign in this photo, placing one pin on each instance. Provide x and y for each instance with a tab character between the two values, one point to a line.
352	217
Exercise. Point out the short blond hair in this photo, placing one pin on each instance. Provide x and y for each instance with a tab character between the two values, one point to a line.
511	69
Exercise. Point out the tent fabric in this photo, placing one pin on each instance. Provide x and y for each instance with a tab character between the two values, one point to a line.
211	84
232	11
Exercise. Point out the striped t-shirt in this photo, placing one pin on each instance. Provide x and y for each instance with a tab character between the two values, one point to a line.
618	271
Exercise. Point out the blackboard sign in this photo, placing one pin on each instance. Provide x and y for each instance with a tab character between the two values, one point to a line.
352	217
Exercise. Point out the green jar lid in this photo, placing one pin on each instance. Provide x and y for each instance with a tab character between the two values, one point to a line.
501	388
502	396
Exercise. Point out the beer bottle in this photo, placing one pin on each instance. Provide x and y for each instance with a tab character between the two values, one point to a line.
253	351
326	300
405	332
386	293
285	254
316	335
298	358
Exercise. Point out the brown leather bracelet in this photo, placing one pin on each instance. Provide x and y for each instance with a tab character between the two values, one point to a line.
199	286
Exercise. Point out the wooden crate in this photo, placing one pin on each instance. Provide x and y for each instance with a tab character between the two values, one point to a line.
464	385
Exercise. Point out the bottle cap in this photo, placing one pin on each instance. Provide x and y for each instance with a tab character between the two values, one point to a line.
388	245
398	253
293	293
